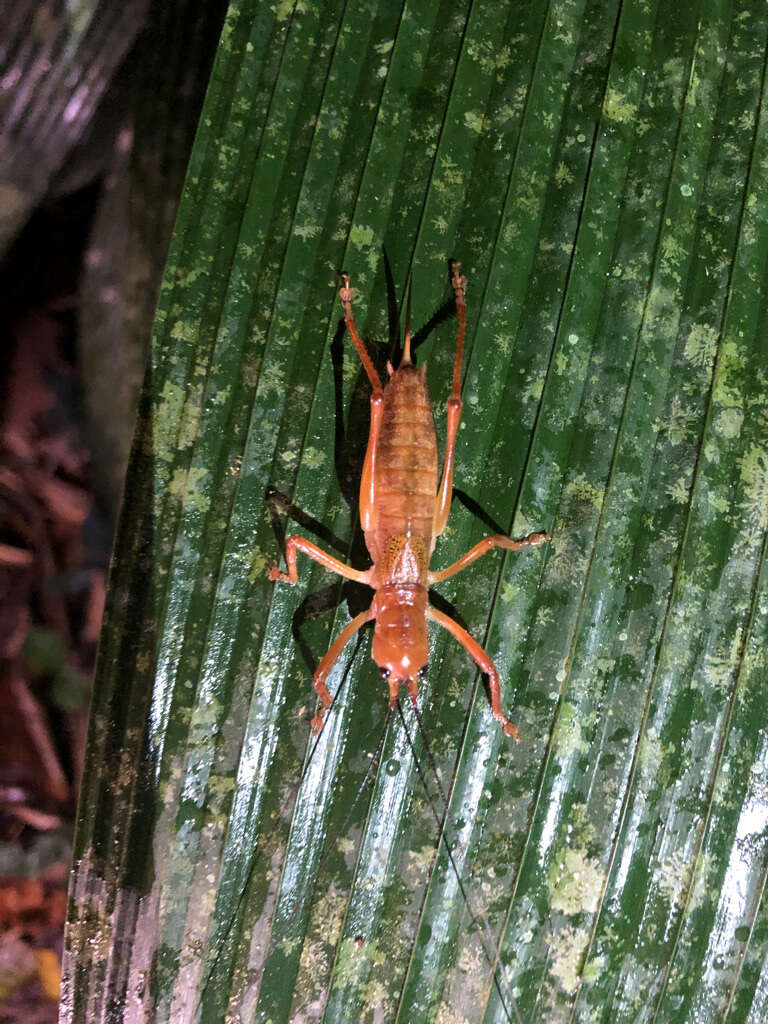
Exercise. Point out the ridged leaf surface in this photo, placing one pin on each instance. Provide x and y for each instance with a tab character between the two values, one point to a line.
601	171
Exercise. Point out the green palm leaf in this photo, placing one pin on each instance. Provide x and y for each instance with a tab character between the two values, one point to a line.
601	171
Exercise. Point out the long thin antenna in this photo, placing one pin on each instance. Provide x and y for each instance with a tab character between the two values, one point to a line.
244	888
342	829
479	916
406	360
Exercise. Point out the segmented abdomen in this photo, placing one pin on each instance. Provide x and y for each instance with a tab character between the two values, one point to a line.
406	462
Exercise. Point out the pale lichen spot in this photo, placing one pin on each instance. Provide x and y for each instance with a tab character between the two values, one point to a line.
272	380
220	788
190	415
504	113
284	8
503	57
673	252
289	457
305	231
361	237
168	414
679	490
509	593
581	490
451	175
754	478
474	121
650	756
345	846
533	389
617	107
563	175
420	860
184	331
702	891
594	969
257	565
700	345
178	483
566	951
196	495
377	995
574	881
728	422
567	739
313	458
673	876
447	1015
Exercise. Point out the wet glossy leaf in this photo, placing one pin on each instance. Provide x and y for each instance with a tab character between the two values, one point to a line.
601	171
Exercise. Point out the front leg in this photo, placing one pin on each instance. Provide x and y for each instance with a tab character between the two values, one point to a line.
484	662
329	660
313	551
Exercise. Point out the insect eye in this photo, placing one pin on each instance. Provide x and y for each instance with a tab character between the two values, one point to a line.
384	672
423	671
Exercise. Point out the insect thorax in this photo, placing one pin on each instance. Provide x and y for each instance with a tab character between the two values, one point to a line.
405	559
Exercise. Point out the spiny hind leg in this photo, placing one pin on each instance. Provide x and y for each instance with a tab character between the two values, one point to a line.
445	491
368	478
347	294
367	495
482	659
459	283
329	659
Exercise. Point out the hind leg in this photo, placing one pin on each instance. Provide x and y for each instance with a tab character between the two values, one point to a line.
445	491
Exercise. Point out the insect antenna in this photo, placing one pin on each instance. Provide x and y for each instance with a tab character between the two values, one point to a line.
406	357
329	845
221	942
478	916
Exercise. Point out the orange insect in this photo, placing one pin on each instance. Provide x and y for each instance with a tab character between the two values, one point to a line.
403	512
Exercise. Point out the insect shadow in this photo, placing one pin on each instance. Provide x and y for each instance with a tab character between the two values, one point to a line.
349	446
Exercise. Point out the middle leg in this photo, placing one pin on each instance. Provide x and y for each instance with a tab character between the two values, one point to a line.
487	544
445	491
294	544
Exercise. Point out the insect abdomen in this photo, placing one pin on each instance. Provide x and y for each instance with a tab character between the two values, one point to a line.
406	459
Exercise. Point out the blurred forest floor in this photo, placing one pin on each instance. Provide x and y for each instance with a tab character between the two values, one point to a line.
54	549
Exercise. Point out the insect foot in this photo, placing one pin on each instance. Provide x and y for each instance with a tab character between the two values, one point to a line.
275	574
534	539
458	280
346	294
